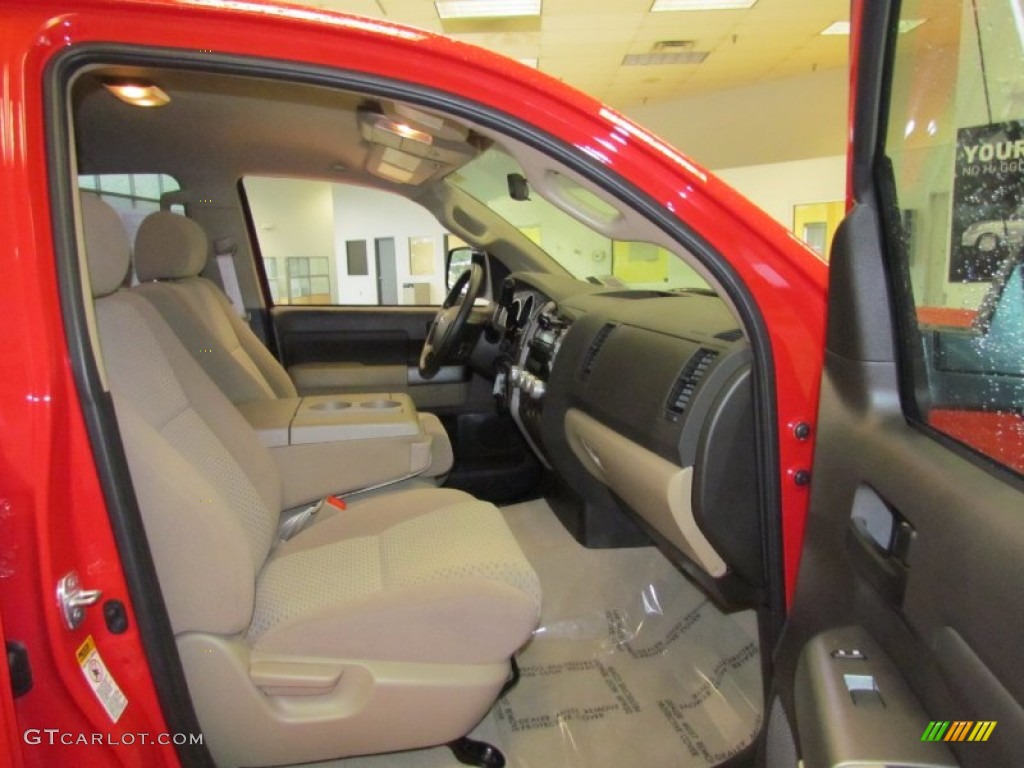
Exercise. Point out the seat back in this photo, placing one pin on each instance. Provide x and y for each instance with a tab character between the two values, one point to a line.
170	253
208	490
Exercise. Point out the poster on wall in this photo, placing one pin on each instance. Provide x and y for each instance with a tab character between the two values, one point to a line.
635	262
988	200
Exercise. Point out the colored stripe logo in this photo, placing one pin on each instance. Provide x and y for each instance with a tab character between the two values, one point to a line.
958	730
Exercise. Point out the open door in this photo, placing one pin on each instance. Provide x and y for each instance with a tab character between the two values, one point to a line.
903	645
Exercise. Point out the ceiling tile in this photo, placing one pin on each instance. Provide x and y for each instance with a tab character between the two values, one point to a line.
583	42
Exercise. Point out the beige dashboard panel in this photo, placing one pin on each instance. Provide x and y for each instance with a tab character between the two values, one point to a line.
656	489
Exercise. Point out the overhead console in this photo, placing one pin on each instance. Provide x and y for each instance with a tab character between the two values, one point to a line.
646	400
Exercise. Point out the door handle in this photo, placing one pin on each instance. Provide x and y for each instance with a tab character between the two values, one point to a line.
878	541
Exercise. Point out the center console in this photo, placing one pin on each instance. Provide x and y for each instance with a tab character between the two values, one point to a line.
327	418
527	377
333	444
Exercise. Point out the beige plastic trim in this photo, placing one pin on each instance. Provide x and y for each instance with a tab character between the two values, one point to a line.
258	709
315	470
271	418
295	678
658	490
327	418
448	388
335	450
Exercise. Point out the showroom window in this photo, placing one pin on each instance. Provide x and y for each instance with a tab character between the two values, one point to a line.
327	243
133	195
955	140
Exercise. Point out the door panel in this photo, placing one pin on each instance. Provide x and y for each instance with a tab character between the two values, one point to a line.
332	349
902	647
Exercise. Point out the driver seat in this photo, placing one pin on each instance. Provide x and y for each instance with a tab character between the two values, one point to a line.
170	253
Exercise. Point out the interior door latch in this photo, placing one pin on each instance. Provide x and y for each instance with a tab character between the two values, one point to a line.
73	600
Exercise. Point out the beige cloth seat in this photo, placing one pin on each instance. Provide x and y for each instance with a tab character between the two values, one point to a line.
170	253
381	627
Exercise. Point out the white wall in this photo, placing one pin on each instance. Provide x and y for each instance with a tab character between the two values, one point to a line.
365	214
777	187
294	216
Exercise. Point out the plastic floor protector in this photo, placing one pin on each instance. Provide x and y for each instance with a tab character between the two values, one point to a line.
630	665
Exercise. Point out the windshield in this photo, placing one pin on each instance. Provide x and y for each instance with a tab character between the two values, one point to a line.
583	252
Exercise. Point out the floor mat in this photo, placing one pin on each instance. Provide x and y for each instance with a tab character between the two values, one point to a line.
631	665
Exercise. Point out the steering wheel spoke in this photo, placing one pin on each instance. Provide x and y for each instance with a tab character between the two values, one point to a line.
446	331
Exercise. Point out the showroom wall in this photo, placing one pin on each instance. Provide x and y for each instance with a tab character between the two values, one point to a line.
778	187
779	143
772	122
362	214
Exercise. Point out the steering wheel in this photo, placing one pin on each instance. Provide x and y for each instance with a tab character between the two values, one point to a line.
443	337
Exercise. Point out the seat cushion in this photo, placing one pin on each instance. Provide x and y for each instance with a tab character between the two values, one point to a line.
419	576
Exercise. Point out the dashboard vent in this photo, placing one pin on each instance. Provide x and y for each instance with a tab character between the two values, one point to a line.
681	394
595	346
734	335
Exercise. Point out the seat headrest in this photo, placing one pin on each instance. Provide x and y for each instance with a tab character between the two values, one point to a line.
107	250
169	247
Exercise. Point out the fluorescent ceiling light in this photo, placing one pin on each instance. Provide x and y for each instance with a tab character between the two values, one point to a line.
481	9
843	27
836	28
700	5
660	59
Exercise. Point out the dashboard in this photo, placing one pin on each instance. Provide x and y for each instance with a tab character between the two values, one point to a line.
641	404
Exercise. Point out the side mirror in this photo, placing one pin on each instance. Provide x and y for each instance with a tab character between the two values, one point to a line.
458	261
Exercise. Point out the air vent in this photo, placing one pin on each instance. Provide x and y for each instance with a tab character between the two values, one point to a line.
686	384
734	335
595	346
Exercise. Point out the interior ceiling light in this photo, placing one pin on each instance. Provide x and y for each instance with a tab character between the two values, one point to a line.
378	129
482	9
138	93
843	27
407	131
661	59
700	5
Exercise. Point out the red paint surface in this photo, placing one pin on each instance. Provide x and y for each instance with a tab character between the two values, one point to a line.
948	317
997	434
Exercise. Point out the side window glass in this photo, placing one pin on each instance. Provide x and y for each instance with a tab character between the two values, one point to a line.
955	141
327	243
133	195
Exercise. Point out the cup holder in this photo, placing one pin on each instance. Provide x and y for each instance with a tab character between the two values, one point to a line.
380	404
331	405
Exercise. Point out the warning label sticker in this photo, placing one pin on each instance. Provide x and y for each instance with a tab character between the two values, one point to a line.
100	679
